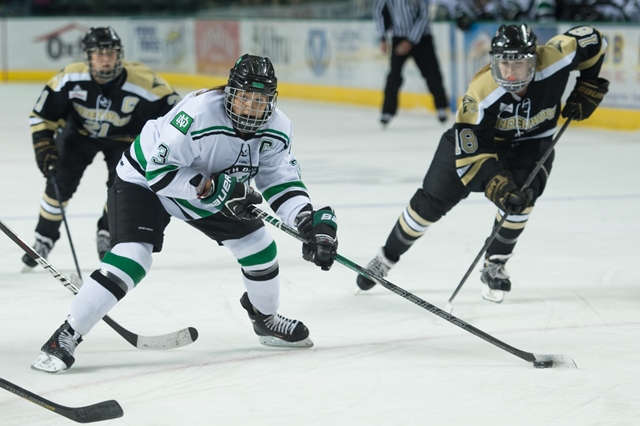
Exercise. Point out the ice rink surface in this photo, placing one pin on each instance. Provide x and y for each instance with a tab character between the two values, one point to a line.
378	359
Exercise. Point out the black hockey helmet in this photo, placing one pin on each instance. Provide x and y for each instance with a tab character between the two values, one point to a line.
103	38
513	43
254	78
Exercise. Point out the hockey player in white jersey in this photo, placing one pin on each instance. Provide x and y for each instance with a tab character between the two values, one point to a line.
197	163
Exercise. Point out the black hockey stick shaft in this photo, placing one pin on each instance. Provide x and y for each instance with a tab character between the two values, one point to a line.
54	183
168	341
527	356
105	410
499	225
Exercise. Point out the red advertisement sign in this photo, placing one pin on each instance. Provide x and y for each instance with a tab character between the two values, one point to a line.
217	46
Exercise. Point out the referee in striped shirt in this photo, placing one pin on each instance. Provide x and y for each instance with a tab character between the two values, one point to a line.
408	21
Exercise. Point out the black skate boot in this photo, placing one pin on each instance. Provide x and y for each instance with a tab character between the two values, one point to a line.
276	330
103	241
380	266
42	246
495	278
57	354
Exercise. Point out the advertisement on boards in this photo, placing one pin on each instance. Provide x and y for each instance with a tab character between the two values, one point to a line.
217	46
51	44
622	67
164	45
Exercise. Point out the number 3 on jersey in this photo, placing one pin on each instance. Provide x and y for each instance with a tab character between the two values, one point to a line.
163	153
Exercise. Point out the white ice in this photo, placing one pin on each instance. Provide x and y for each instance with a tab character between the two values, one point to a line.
378	358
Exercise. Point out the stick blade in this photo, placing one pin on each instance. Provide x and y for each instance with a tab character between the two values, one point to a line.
105	410
168	341
554	361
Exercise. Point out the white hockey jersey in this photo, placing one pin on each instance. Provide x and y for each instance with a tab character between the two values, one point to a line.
197	138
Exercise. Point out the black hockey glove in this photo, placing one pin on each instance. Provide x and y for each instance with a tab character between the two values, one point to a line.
320	228
585	98
504	193
46	156
464	22
233	198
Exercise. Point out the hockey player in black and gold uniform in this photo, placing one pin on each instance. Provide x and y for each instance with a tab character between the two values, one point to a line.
99	105
504	125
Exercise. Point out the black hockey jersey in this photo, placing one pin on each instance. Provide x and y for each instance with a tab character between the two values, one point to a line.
117	113
489	116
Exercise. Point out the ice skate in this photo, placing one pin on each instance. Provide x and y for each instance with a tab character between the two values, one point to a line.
385	119
442	115
276	330
495	278
57	354
380	266
43	247
103	242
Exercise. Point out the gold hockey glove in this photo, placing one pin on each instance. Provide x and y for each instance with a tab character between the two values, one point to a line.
46	156
504	193
585	98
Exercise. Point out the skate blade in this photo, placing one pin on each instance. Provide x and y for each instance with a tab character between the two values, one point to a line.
279	343
496	296
48	364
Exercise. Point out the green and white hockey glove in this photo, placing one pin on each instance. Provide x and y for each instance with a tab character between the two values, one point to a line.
233	198
320	228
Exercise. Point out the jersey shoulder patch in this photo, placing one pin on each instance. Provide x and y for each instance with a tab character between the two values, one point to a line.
182	121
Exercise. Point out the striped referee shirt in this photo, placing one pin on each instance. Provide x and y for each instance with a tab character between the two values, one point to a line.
409	18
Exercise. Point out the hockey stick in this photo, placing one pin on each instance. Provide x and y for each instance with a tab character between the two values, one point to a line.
448	307
54	182
176	339
105	410
538	360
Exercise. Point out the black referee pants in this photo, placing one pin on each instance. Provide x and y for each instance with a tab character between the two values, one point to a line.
425	58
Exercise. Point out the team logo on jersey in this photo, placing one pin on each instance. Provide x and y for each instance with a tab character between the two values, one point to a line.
469	105
182	122
78	93
506	107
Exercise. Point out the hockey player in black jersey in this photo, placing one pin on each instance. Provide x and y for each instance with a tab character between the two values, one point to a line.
504	125
99	105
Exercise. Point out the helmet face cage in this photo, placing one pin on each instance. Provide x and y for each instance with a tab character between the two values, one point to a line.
100	39
522	66
514	46
252	81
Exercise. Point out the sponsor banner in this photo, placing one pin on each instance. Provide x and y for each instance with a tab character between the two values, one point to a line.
622	66
163	45
51	44
331	53
318	52
217	45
